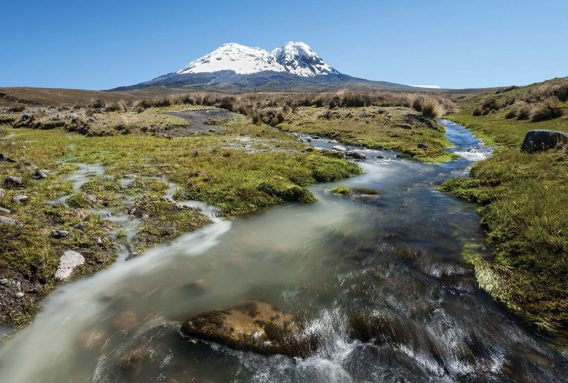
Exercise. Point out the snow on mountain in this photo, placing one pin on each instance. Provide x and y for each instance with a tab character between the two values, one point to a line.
298	58
294	57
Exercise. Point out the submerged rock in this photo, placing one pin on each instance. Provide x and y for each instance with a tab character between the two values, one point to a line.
540	140
355	155
91	340
67	263
392	330
252	326
339	148
362	194
356	194
134	360
126	321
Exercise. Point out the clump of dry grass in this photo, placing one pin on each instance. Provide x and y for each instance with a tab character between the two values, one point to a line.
429	107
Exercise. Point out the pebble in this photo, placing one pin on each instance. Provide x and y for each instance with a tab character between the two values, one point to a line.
59	234
39	175
20	198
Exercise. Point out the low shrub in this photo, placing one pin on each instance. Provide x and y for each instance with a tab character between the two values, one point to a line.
547	110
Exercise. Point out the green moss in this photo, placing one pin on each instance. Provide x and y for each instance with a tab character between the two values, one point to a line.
341	190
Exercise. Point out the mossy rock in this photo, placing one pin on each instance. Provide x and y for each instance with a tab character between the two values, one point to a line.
341	190
253	326
287	192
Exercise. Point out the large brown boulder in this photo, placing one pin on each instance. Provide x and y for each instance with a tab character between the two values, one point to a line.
252	326
540	140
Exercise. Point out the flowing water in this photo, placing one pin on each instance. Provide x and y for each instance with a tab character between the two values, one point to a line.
397	256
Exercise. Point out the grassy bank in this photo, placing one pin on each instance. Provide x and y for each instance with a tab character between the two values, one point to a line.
392	128
522	201
246	169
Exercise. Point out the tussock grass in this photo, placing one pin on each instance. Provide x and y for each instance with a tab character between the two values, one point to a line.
431	108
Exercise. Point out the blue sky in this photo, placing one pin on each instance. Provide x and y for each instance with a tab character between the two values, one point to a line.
454	43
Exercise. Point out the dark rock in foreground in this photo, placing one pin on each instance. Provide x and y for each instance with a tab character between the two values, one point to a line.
540	140
252	326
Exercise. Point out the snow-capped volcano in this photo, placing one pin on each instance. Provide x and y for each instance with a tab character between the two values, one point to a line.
237	68
293	57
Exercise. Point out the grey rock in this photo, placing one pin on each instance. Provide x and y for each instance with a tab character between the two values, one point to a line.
10	221
39	175
339	148
2	193
67	263
81	225
5	211
20	198
540	140
422	146
4	158
13	181
356	155
59	234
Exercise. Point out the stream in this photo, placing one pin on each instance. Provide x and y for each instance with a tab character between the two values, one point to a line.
397	255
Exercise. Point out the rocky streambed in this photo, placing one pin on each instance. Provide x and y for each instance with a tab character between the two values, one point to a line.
367	284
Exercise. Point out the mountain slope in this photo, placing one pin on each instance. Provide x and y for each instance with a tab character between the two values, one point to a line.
237	68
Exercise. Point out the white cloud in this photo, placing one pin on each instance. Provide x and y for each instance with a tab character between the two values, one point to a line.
427	86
